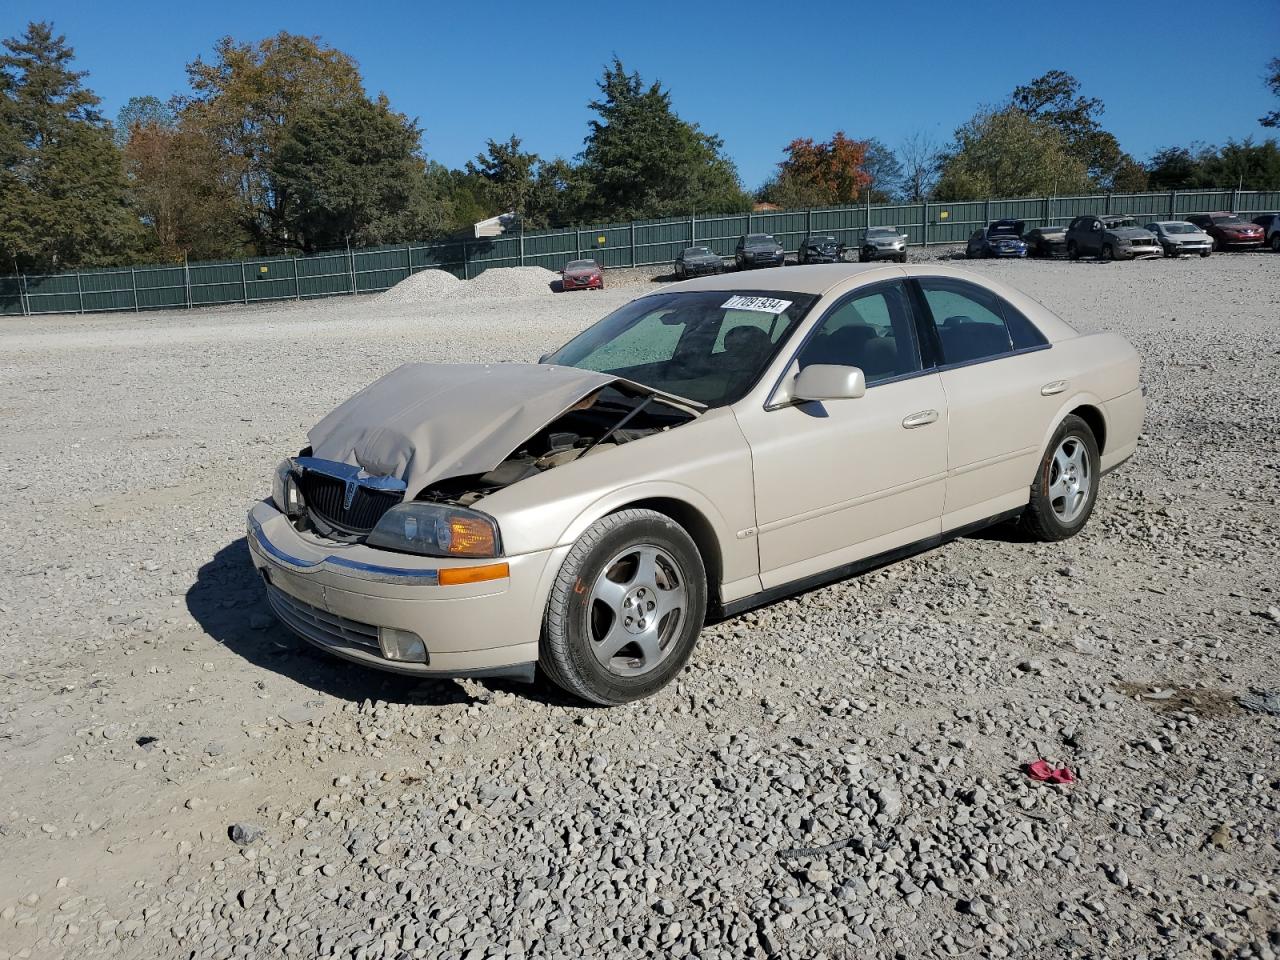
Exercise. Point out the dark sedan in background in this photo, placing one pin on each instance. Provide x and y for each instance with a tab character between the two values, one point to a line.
758	250
1046	241
1000	238
582	275
696	262
820	250
1229	231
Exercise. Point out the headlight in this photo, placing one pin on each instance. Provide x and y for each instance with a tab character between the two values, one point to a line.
437	530
285	492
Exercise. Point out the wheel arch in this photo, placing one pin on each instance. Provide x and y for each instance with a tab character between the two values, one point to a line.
1088	408
700	530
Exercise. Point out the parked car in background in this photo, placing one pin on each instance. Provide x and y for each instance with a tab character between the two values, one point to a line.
1115	237
1000	238
1046	241
1229	231
1270	224
1177	237
820	250
883	243
758	250
702	450
582	275
696	261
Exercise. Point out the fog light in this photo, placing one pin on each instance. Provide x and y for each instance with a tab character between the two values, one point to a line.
404	645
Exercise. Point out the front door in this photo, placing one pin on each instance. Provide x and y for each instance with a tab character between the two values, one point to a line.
838	481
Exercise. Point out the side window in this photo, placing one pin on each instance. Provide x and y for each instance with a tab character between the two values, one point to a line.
968	319
872	330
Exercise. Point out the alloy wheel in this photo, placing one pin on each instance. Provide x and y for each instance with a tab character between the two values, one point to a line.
637	608
1069	479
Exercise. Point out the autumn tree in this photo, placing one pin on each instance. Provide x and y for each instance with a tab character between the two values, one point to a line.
63	196
642	160
820	174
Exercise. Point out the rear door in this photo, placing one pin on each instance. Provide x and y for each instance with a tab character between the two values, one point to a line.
997	372
842	480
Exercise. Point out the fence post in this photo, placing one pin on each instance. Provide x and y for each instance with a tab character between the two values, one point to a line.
186	277
924	222
1048	212
408	257
297	287
808	222
1173	204
633	243
244	285
133	282
522	241
577	244
693	230
466	273
80	291
23	298
1235	198
986	213
351	266
1106	208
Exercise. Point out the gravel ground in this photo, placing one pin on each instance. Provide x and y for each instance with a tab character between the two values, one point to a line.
835	775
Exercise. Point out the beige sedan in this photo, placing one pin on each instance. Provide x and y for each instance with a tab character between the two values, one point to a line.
704	449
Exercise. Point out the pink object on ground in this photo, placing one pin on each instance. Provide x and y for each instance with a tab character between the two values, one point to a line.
1040	770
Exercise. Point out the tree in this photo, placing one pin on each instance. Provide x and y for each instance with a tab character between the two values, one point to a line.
143	111
1243	164
641	160
884	169
1272	117
243	101
920	156
65	201
1005	153
1055	100
509	174
352	172
1173	168
820	174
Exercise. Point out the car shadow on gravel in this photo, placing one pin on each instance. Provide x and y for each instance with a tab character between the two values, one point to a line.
229	602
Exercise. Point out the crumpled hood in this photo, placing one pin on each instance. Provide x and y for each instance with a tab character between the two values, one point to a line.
423	422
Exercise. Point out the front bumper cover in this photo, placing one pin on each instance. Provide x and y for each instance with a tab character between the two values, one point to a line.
340	597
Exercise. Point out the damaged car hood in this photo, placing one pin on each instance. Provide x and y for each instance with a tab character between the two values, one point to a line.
424	422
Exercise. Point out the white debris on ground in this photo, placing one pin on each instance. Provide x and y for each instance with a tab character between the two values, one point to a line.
497	283
835	775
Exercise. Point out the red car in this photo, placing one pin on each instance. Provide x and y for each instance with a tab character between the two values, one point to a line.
1228	230
582	275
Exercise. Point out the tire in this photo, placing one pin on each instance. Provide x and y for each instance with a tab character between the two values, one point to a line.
902	258
1108	252
1205	253
601	580
1056	510
1073	251
1275	242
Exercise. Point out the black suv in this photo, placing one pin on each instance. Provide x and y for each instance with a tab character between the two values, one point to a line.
758	250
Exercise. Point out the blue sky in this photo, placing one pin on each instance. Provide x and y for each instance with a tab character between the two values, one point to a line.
757	74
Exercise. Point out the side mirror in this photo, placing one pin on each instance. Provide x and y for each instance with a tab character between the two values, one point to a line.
829	381
905	235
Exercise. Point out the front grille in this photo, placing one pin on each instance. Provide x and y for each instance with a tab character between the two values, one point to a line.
326	498
320	625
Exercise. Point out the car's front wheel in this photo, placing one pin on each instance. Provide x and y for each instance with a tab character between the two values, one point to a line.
626	609
1275	242
1066	484
1073	251
1108	252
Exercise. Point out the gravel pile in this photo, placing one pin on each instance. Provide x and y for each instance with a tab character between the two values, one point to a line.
424	285
509	283
839	774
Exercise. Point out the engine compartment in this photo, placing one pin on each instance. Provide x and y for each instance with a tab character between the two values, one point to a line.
609	417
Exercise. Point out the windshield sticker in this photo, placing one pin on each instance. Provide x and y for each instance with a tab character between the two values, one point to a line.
759	304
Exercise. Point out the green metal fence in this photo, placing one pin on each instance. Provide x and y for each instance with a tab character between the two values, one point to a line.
637	244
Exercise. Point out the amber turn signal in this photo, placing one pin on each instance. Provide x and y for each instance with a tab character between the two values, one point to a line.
452	576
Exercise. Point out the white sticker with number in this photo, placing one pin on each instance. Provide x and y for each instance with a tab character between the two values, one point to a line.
761	304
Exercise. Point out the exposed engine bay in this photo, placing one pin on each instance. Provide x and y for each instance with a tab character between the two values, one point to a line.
607	418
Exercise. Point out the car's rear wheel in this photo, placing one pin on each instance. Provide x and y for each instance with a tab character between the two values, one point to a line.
1066	484
625	610
1108	252
1073	251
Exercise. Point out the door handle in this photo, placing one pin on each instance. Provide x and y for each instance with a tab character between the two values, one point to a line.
921	419
1056	386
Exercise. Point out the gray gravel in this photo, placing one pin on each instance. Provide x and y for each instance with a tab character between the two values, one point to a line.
834	775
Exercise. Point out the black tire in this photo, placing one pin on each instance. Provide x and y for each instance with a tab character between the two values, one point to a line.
902	258
1275	242
1073	251
1040	519
565	654
1205	253
1108	252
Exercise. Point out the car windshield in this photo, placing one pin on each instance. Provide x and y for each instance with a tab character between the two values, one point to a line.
881	232
822	241
1227	218
1119	223
1003	230
697	252
581	265
706	345
1180	228
757	239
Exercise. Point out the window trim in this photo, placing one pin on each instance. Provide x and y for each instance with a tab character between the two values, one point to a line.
856	293
927	328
